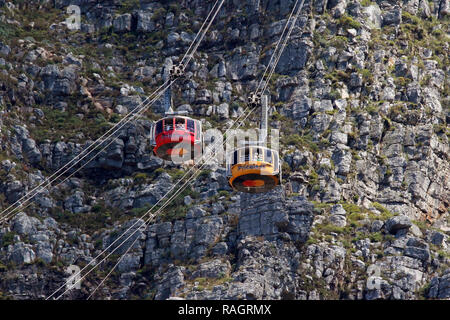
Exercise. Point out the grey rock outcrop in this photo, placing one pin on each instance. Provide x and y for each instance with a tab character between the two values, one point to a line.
397	223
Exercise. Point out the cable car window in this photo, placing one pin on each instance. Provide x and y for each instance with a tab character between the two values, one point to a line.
197	129
191	126
256	154
260	156
242	155
168	124
269	156
235	157
180	123
275	162
159	128
247	154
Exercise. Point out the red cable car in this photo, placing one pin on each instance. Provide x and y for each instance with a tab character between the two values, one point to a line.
177	138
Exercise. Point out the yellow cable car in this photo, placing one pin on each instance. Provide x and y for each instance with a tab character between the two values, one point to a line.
254	169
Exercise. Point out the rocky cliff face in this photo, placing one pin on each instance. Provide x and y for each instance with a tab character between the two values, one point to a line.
361	98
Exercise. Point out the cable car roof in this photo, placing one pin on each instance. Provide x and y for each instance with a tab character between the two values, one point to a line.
252	146
179	117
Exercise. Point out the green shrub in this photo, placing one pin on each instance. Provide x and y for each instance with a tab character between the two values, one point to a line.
422	292
7	31
355	216
313	177
321	205
311	241
340	42
347	21
159	14
286	169
372	109
334	95
204	174
224	193
367	3
7	239
140	177
114	118
350	208
300	141
66	123
158	171
385	213
409	18
376	237
367	75
327	228
128	6
97	208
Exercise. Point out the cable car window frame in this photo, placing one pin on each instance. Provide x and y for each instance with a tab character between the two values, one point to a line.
179	124
197	132
167	126
159	127
276	161
190	125
260	154
247	154
254	152
241	156
268	156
